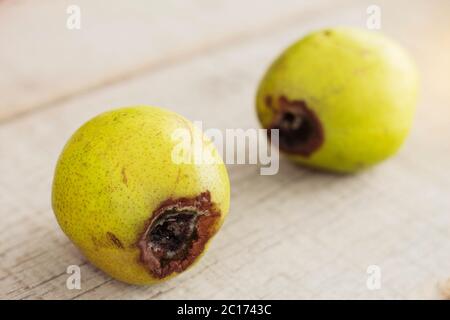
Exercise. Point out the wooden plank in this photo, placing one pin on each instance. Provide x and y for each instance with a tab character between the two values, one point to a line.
298	234
42	62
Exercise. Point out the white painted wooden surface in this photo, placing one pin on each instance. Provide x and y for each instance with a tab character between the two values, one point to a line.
43	62
298	234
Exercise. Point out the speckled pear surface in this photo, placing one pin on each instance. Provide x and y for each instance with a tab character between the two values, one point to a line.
115	171
357	90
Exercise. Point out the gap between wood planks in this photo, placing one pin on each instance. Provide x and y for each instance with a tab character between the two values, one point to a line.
197	50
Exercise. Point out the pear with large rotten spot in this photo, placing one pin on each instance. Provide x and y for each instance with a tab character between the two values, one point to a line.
132	209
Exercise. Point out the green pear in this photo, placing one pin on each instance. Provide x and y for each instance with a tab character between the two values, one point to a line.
126	201
343	99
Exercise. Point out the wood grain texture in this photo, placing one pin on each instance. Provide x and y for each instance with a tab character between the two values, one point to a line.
44	63
297	234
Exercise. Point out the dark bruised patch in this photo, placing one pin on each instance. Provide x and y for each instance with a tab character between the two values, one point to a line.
124	176
268	101
96	243
300	130
327	32
177	233
116	241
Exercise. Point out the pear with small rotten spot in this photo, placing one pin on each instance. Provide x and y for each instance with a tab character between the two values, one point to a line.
343	99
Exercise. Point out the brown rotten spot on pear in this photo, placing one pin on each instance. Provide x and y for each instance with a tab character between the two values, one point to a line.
300	130
177	233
